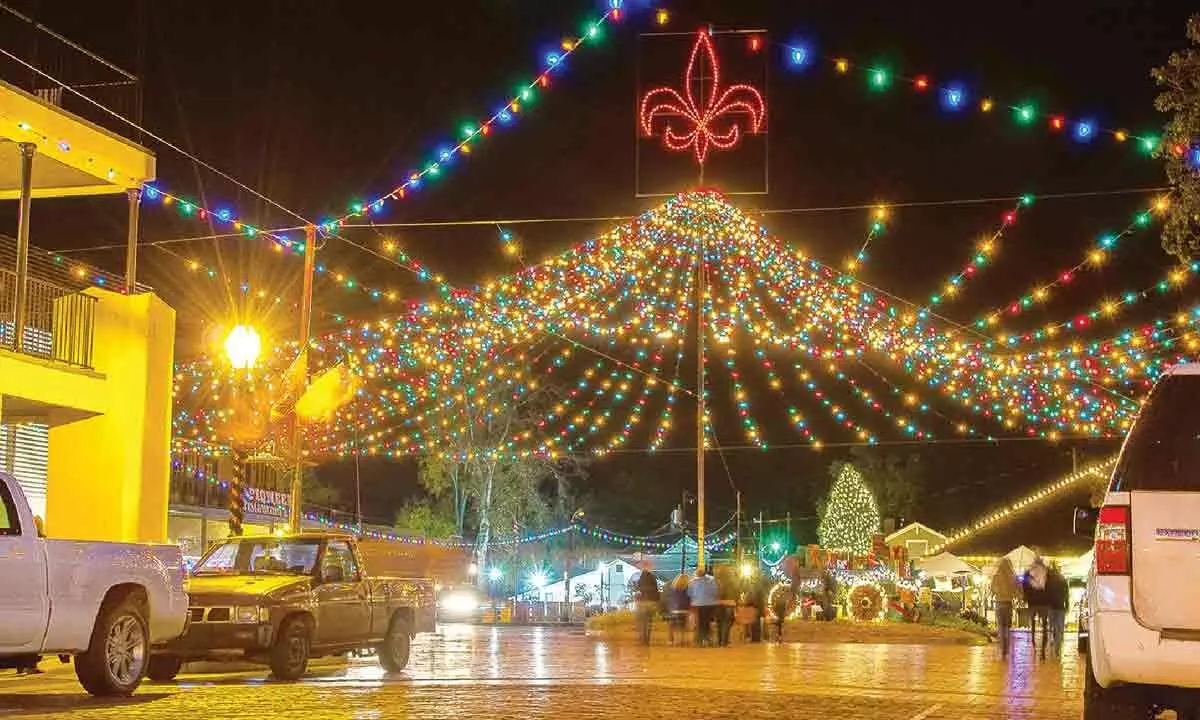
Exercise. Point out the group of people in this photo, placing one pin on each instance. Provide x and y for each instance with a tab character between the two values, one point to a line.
720	599
712	599
1045	590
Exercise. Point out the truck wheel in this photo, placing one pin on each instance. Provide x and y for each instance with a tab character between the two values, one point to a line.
116	659
394	652
289	654
164	668
1107	703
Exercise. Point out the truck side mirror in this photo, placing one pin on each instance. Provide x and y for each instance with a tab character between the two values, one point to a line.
1085	521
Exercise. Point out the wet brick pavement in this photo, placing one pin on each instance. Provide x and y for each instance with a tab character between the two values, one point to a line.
511	672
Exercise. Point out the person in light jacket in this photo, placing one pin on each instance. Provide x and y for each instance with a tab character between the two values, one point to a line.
1006	591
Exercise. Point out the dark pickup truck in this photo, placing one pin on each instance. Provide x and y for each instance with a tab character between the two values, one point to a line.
283	600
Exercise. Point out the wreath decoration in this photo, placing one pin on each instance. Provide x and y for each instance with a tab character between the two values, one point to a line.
866	602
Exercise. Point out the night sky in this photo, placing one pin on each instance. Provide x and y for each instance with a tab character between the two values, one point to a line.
317	104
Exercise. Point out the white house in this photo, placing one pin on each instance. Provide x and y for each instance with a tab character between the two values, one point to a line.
606	585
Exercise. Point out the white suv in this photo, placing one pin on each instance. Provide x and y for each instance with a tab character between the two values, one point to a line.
1144	589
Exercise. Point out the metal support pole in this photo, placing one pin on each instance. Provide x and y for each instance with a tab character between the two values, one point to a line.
22	299
738	527
237	481
700	402
131	243
310	253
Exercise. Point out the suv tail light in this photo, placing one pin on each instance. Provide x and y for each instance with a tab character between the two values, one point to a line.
1112	541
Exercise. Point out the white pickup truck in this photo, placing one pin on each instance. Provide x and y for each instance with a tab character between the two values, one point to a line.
104	603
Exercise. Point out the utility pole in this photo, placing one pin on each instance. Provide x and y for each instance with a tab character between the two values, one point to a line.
738	527
310	252
700	402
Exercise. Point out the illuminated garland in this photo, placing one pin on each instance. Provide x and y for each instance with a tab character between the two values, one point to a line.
475	131
1098	469
981	256
1095	257
624	299
955	97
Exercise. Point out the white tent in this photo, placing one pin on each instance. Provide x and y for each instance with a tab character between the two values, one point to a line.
945	565
1021	557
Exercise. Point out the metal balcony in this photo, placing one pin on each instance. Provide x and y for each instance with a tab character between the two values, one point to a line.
59	323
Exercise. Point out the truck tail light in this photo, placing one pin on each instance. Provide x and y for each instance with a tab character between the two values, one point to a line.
1112	540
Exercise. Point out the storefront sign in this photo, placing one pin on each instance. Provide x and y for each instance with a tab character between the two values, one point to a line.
257	501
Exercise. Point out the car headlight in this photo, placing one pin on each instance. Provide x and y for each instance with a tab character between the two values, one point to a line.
459	603
249	615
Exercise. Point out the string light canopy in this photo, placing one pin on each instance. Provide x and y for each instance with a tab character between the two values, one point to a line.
606	327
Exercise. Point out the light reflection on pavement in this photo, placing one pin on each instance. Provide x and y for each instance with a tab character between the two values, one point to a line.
476	672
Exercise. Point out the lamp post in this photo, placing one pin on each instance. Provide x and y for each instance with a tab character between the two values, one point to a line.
242	347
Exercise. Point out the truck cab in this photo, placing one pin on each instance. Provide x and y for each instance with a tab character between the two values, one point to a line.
1143	617
282	600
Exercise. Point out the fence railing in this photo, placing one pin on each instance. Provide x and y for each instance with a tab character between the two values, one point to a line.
75	66
59	323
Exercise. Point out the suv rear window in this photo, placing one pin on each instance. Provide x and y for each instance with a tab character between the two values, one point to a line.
1163	449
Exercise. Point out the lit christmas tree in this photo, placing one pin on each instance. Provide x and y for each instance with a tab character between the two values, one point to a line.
851	515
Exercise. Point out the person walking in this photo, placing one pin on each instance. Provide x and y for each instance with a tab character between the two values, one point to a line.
781	605
647	603
1038	601
1004	590
727	596
1058	596
678	607
702	592
756	600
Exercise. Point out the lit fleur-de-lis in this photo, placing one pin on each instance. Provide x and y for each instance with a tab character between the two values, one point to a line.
713	120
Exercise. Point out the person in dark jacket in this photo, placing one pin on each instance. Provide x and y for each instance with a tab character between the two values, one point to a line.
647	603
1039	606
1058	597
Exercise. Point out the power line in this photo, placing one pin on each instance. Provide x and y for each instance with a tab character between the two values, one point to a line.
156	137
769	211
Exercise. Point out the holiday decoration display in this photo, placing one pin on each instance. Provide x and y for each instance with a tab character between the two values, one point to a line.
704	116
866	602
851	517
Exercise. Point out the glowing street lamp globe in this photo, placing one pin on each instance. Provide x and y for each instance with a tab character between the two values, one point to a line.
242	347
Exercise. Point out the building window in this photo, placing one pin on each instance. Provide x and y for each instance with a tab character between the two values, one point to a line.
917	548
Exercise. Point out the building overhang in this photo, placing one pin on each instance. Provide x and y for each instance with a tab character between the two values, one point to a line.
74	157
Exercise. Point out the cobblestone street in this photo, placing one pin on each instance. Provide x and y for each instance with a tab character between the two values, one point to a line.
511	672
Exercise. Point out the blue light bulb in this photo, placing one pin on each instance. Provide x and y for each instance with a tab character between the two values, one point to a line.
1085	130
953	97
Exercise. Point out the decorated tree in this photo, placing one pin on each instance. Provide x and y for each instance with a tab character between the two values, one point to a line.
850	516
1180	97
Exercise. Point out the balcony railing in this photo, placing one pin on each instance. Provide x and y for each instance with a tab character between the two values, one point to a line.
75	66
59	323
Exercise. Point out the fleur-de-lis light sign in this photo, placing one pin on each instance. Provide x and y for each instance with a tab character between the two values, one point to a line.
706	117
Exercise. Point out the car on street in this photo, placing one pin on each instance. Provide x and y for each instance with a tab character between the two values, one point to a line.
1143	617
105	603
460	603
283	600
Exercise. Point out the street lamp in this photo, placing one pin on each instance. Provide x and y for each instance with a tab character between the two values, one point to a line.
242	347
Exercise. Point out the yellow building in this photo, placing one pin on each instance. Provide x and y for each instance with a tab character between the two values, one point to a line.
85	377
